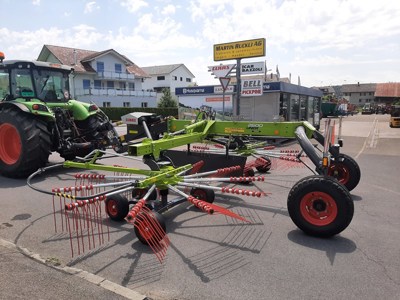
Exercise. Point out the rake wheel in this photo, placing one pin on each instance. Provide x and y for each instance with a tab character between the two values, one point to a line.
264	168
117	207
144	234
203	194
320	206
345	170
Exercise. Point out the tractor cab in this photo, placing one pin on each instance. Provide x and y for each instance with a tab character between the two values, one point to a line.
26	80
395	116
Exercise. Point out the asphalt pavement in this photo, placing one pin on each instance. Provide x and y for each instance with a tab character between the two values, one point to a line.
25	275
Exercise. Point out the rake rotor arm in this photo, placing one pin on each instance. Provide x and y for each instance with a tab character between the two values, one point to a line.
308	148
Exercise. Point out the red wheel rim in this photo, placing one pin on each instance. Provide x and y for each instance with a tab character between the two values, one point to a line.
318	208
10	144
340	172
112	207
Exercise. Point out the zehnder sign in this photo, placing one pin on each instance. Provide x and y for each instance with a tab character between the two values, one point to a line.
242	49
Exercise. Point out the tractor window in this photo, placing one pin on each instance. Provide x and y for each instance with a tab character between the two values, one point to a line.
21	83
51	86
4	84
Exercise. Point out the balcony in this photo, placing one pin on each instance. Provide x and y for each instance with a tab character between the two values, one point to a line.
115	76
114	92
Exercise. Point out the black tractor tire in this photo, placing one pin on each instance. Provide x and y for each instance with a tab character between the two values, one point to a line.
25	143
117	207
320	206
203	194
345	170
144	234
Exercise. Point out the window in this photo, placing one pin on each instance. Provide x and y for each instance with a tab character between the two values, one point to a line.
4	84
86	84
122	85
174	78
97	84
100	66
359	100
188	80
126	104
181	79
118	68
106	104
144	104
110	85
160	77
131	86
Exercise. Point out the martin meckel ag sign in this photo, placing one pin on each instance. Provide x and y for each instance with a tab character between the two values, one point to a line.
241	49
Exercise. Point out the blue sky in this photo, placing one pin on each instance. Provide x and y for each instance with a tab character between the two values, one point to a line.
325	42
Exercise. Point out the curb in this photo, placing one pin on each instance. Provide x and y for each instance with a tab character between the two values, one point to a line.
92	278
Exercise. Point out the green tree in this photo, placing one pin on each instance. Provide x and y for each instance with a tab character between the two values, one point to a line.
167	100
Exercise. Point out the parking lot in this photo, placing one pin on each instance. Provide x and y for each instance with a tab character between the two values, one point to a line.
217	257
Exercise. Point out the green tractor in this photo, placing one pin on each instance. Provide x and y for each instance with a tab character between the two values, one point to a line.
38	117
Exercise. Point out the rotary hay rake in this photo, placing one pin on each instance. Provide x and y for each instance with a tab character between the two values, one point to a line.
137	196
320	204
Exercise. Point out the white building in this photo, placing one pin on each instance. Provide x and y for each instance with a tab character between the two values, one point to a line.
107	78
167	76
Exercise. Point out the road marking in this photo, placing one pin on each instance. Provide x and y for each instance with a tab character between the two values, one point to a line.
367	138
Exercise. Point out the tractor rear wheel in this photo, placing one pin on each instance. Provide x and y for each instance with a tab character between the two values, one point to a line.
320	206
25	143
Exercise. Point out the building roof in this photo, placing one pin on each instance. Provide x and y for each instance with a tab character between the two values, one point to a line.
80	59
358	88
164	69
391	89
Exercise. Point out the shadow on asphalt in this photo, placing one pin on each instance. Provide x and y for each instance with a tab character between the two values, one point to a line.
331	246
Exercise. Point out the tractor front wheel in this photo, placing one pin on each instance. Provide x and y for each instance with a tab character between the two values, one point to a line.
320	206
25	143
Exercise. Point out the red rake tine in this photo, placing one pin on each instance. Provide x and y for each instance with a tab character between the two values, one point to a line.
208	207
150	229
157	239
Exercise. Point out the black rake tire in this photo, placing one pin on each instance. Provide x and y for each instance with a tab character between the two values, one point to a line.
207	195
320	206
34	146
265	167
144	233
117	207
345	170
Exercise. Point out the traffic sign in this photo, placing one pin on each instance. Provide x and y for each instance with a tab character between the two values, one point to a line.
221	70
224	82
